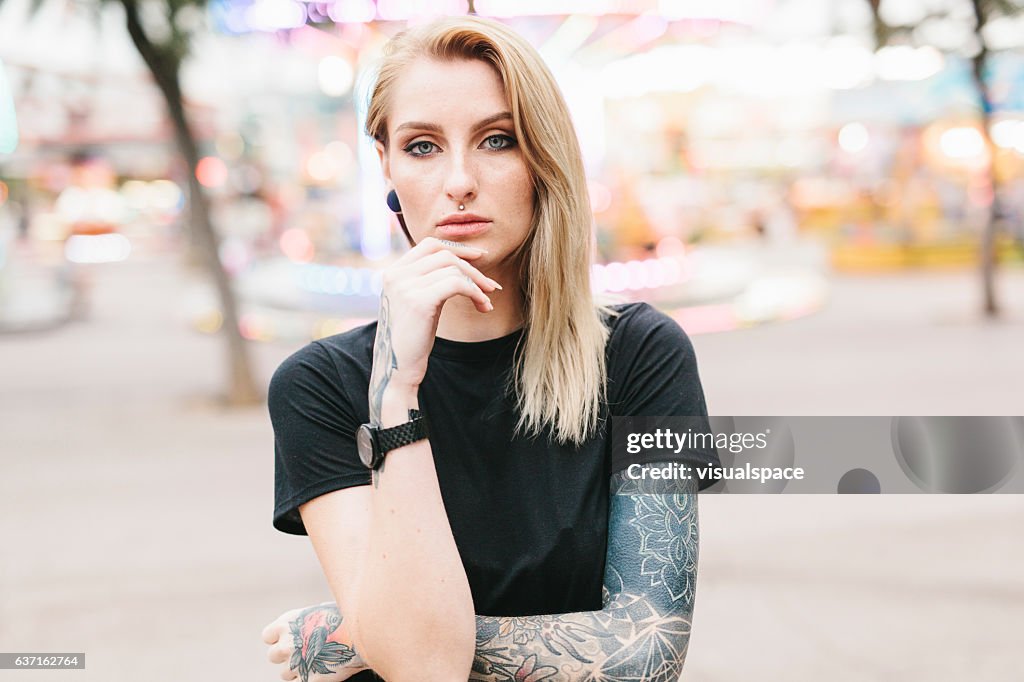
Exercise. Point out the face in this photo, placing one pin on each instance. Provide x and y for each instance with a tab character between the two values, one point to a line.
448	145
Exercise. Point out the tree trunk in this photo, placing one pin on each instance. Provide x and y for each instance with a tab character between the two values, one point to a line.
164	67
988	236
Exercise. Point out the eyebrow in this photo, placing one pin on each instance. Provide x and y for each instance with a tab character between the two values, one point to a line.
434	128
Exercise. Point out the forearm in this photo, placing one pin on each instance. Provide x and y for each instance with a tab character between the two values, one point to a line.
415	609
627	640
643	630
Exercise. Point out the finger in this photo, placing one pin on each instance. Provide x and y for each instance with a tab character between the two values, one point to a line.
289	674
443	259
456	285
279	654
271	633
431	245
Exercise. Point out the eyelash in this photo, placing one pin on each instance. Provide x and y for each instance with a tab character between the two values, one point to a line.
408	149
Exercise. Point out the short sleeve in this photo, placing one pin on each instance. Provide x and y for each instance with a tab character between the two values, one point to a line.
652	371
314	434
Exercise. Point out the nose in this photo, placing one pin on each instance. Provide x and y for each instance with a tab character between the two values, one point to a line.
460	182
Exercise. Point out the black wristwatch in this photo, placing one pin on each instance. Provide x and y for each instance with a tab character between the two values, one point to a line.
374	442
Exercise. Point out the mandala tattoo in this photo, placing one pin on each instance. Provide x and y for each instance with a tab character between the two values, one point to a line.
641	634
668	542
643	631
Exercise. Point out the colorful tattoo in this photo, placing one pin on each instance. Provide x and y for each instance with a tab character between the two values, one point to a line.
318	647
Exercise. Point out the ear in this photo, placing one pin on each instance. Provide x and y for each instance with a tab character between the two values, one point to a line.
385	165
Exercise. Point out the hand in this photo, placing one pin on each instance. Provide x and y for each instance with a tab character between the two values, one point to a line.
312	645
414	289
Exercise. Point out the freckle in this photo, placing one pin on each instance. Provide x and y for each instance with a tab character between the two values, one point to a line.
384	555
392	510
419	530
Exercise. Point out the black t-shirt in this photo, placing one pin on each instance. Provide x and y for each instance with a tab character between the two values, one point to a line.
529	517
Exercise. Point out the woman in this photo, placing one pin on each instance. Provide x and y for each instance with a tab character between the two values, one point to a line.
490	342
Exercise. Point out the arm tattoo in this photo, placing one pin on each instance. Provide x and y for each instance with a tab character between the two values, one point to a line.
317	642
384	362
643	631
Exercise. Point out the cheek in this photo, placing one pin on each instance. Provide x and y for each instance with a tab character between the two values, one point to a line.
516	184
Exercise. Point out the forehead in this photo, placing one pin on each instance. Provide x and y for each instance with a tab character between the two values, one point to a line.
451	94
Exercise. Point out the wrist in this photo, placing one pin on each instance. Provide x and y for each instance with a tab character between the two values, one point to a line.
395	405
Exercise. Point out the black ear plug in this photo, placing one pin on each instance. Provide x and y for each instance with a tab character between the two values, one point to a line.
393	202
397	209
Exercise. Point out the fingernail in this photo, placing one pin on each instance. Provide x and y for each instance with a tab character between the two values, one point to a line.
490	306
496	285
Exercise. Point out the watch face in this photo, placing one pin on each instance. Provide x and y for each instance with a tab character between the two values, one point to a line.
364	443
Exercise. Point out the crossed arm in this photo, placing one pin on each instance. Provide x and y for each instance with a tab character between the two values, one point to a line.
641	633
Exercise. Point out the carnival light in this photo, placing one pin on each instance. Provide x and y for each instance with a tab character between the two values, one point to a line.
335	76
1009	134
321	166
334	280
636	275
962	144
296	245
404	10
211	172
100	248
906	63
274	15
845	64
853	138
352	11
165	195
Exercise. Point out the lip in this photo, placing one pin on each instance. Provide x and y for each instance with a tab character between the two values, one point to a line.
463	229
456	218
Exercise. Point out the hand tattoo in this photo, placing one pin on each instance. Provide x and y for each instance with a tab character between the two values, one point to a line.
317	647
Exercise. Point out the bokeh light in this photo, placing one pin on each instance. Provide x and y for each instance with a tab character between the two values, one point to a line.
211	172
335	76
853	138
296	245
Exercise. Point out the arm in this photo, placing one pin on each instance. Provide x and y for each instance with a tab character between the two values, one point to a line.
641	633
387	551
649	587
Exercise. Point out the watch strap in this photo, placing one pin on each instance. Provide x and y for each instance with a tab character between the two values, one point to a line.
404	434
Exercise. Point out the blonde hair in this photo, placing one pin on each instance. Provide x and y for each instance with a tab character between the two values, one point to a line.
560	374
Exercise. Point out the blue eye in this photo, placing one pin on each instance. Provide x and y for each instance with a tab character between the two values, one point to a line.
414	145
511	141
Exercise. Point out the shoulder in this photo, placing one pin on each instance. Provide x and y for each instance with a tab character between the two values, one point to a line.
638	325
324	363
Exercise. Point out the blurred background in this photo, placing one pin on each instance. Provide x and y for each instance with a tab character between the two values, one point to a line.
827	196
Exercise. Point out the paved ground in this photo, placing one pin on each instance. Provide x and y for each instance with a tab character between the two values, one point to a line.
135	513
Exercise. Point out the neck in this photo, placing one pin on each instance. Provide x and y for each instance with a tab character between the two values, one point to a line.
461	321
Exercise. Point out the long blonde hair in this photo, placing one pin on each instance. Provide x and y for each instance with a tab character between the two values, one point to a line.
560	373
